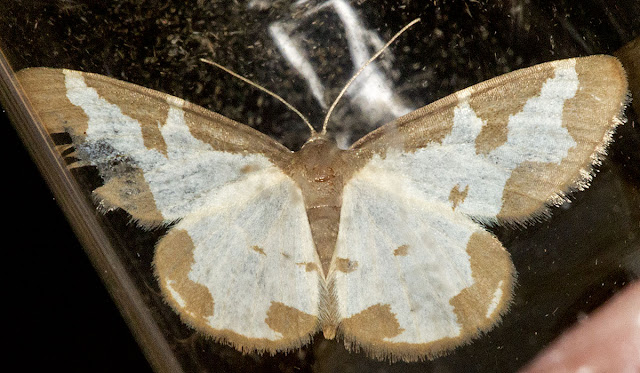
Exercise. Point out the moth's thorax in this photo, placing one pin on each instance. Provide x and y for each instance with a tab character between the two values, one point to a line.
321	169
319	166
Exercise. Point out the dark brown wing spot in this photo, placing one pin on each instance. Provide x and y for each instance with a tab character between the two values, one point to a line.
345	265
402	250
258	249
249	168
457	197
308	266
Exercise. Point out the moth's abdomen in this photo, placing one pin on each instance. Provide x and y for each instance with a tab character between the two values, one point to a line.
324	222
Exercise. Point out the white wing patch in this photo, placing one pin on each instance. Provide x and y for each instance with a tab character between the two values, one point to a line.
178	180
497	296
250	240
418	285
176	295
536	134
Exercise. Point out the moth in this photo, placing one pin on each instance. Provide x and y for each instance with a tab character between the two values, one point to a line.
382	245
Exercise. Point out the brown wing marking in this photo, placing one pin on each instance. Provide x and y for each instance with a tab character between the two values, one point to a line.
126	188
590	117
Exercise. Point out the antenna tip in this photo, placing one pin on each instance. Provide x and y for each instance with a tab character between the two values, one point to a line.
412	23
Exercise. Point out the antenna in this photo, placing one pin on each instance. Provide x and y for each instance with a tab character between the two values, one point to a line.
306	121
378	53
335	102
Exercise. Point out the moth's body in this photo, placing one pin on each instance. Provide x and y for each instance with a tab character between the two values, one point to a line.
378	244
321	169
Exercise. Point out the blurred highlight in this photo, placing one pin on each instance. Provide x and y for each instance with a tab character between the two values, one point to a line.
608	340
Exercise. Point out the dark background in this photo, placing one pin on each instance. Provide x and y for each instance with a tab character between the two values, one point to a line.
59	313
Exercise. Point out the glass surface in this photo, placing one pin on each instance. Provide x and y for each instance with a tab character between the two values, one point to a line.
305	51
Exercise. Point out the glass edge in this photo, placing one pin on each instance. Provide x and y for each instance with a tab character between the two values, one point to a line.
82	219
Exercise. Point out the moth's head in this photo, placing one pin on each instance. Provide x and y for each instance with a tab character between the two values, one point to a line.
318	139
320	148
318	159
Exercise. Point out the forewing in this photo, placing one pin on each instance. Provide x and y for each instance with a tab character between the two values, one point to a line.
507	148
240	265
158	154
411	277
